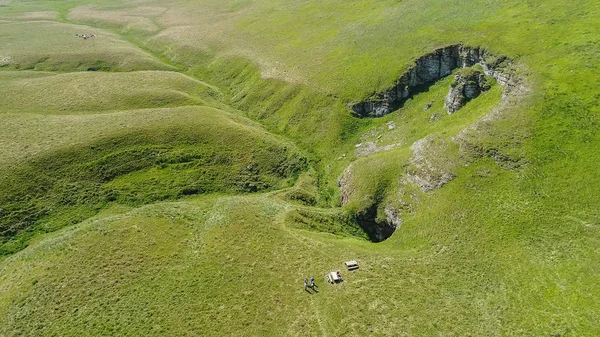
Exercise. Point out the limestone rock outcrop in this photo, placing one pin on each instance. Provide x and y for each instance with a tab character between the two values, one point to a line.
431	68
344	183
468	84
432	164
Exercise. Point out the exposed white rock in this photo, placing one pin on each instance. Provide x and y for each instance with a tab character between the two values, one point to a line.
433	67
432	164
466	86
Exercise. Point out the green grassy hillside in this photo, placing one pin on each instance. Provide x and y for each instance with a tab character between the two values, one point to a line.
43	45
168	154
85	92
184	170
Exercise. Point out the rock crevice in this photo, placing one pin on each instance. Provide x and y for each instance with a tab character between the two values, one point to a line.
431	68
376	230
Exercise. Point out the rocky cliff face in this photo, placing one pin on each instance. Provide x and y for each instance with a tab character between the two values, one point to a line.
467	85
429	69
344	183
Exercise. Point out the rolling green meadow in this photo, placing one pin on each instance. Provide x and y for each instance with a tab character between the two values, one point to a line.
181	171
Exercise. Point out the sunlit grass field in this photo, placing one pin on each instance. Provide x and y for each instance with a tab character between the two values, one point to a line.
88	92
183	171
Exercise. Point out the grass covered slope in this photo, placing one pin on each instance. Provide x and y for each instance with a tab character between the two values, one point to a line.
87	92
53	46
218	266
167	153
495	206
204	267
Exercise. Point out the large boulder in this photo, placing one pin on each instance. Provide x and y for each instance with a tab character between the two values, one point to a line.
468	84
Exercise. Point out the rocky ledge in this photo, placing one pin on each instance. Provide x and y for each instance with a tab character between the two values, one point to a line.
468	84
431	68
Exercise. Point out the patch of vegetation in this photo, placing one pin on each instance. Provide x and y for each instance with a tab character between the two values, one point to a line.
302	196
471	75
338	223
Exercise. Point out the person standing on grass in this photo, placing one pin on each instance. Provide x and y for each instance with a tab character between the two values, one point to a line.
306	284
312	283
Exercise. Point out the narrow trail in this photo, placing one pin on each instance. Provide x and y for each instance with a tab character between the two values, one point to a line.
318	314
303	240
308	242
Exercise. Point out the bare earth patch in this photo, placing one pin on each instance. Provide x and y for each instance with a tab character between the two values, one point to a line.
5	60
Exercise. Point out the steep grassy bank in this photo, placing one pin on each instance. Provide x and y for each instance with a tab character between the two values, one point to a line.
199	150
